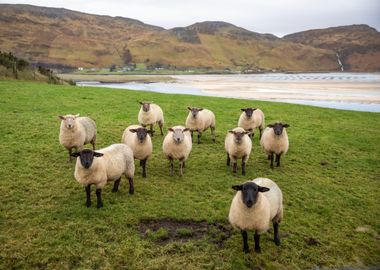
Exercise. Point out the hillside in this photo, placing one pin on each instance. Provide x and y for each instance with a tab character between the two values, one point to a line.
59	37
357	45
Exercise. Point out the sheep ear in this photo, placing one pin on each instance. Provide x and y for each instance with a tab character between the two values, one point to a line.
77	115
170	129
270	125
254	109
263	189
285	125
231	131
237	187
247	132
243	110
142	103
189	108
133	130
200	109
97	154
186	129
150	132
77	154
61	117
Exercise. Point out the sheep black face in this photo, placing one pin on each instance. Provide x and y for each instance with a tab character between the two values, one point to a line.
194	111
238	136
86	157
145	106
69	120
141	133
249	111
249	192
178	134
278	127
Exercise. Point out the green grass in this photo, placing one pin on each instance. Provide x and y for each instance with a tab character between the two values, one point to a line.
330	180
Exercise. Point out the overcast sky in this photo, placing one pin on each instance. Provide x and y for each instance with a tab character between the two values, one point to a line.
278	17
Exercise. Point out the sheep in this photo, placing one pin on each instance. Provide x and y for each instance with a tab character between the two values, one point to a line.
252	118
275	141
138	139
199	120
238	145
256	203
151	114
107	164
76	131
177	145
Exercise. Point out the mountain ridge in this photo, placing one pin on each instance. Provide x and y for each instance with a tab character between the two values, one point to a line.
62	37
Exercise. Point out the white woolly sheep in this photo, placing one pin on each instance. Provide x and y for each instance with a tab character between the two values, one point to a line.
151	114
238	145
252	118
76	131
255	205
199	120
177	145
107	164
138	139
275	141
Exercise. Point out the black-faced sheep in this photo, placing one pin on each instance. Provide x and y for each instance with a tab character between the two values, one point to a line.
252	118
199	120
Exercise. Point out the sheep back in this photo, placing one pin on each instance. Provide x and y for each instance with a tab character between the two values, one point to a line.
272	143
152	116
238	150
203	121
140	150
257	120
177	150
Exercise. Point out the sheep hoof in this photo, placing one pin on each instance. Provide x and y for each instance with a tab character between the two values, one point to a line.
100	205
88	205
258	250
277	242
246	250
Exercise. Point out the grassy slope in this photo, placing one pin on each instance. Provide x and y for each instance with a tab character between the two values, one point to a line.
44	222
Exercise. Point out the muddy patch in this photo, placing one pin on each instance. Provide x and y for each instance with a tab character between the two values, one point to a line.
164	231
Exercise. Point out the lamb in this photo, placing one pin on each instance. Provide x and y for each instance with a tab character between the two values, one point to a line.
76	131
177	145
200	119
107	164
238	145
275	141
151	114
138	139
252	118
256	203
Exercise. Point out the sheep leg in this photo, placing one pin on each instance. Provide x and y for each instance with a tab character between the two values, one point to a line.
180	168
271	161
245	241
93	142
161	125
278	160
88	195
183	164
171	166
234	168
143	162
261	132
70	157
116	185
131	187
199	137
213	133
251	134
228	159
151	129
192	135
243	165
99	198
276	234
257	242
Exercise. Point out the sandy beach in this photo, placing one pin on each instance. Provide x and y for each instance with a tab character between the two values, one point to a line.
314	89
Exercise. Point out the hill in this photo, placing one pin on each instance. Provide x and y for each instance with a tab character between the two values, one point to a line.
329	177
61	37
357	45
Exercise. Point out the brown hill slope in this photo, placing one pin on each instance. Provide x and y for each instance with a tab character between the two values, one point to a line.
357	45
69	38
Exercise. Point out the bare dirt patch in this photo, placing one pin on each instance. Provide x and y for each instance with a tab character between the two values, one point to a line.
168	230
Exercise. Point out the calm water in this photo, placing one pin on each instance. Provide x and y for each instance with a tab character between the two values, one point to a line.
331	94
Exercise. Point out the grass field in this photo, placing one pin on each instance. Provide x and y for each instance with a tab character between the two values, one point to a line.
330	180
